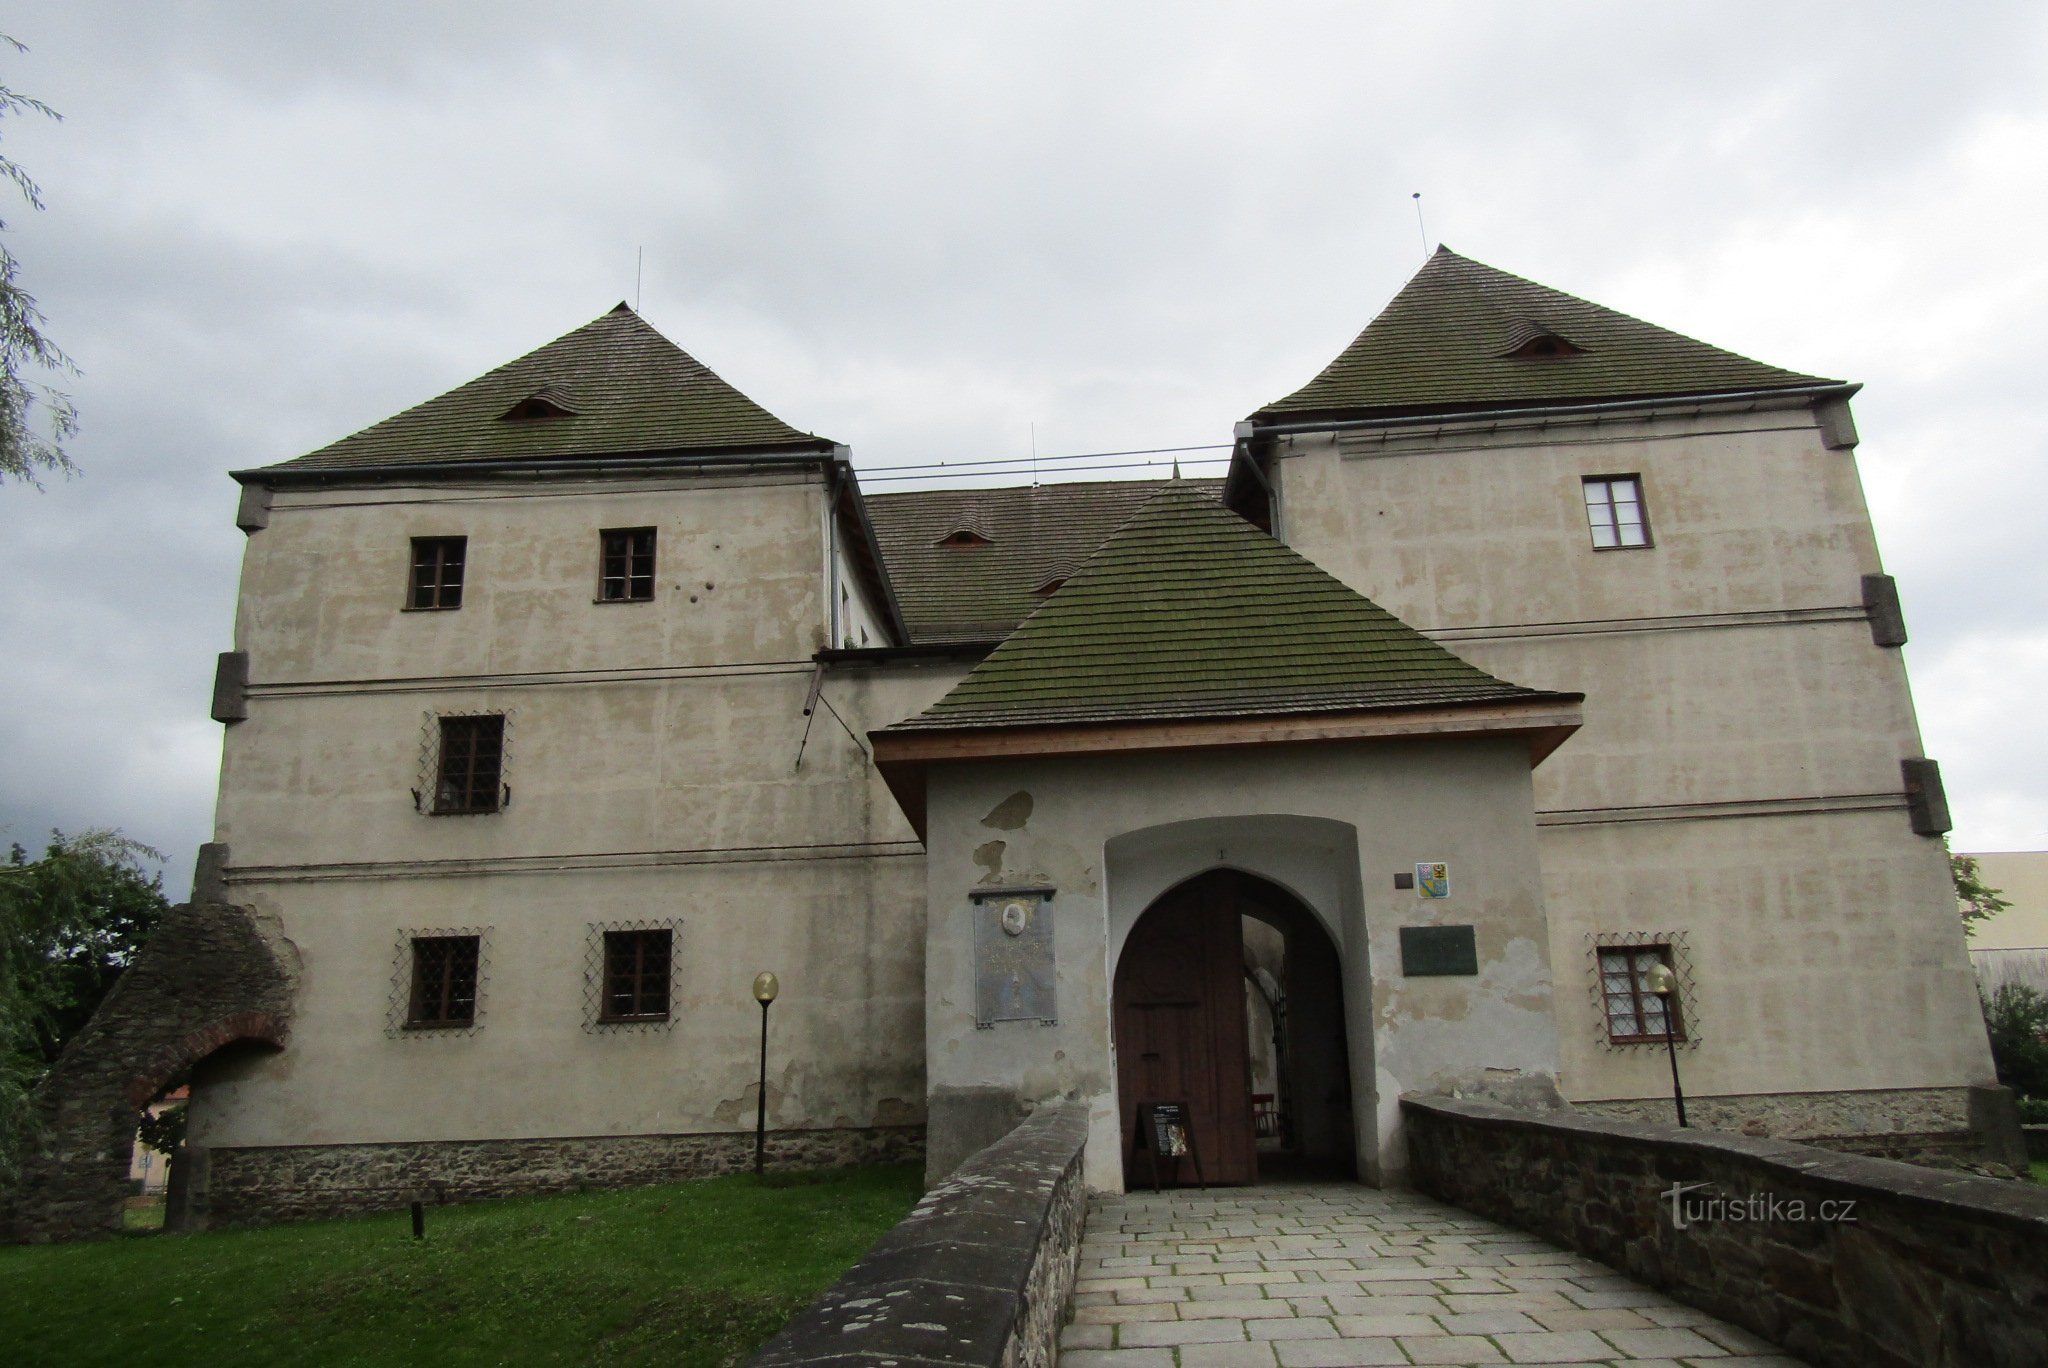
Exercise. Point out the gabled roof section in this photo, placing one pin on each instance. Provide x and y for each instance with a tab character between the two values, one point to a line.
1189	612
615	386
1459	335
1035	534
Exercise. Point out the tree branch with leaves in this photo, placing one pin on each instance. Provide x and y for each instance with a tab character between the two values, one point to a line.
36	417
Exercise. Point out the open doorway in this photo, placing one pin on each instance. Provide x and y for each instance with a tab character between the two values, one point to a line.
1228	1004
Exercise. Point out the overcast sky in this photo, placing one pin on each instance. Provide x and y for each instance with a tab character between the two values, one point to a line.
922	229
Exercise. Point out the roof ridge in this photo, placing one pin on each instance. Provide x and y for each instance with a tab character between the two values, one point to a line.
1443	342
637	390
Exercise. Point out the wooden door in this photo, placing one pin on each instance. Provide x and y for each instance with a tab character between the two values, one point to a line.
1180	1030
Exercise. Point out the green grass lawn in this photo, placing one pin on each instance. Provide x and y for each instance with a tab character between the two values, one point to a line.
692	1274
2040	1167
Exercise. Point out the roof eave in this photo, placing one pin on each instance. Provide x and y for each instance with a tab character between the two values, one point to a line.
904	758
1270	422
602	463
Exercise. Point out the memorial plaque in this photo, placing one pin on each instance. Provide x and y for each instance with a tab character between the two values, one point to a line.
1013	959
1438	951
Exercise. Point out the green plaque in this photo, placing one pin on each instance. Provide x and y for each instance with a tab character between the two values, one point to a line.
1438	951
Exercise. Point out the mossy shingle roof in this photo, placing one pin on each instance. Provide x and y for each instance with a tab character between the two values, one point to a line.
612	387
1029	537
1459	335
1187	611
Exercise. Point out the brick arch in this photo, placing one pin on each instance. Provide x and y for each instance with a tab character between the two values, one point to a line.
211	975
265	1028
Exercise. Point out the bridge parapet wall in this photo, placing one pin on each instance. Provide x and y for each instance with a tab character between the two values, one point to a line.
1843	1260
977	1275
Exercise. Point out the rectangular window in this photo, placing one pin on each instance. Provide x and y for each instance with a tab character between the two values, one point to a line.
626	572
1614	511
636	975
437	572
472	764
1634	1013
443	981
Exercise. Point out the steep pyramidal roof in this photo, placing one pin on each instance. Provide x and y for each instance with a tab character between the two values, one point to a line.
613	387
1464	335
1022	538
1188	611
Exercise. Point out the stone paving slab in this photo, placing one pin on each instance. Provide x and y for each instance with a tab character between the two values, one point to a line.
1338	1275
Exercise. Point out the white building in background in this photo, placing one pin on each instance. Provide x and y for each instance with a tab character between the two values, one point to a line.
2012	946
1526	648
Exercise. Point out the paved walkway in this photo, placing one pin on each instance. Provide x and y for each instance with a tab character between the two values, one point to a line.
1336	1275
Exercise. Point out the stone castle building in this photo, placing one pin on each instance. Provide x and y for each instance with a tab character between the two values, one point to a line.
1526	650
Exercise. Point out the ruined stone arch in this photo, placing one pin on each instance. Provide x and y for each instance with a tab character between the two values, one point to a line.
212	975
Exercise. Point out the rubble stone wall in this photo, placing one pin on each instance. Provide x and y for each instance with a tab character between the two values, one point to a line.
1843	1260
244	1186
976	1276
211	975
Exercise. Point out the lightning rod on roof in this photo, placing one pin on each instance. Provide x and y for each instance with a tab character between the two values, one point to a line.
1417	197
639	259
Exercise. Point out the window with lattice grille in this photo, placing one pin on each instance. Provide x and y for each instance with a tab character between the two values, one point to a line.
444	973
636	975
1634	1013
626	565
1615	512
437	572
470	774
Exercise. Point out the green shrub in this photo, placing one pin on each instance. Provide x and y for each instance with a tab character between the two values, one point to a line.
2017	1018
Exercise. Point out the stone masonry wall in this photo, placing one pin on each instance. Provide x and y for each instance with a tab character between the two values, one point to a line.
977	1275
261	1185
1811	1117
209	976
1850	1261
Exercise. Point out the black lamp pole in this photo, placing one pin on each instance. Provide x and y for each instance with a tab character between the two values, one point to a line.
1664	984
764	993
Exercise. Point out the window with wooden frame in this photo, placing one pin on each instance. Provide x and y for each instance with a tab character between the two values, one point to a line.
1634	1013
1615	512
636	975
469	775
444	976
625	565
436	580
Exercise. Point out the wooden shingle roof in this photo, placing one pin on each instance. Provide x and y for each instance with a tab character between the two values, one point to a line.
614	387
1033	534
1464	335
1187	611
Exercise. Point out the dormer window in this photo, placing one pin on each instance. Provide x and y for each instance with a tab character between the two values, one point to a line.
966	536
544	403
1544	345
1531	341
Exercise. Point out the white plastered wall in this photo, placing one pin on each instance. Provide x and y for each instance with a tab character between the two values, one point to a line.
1333	824
1738	777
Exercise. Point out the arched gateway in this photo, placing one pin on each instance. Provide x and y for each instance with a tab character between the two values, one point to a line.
1199	696
1250	1037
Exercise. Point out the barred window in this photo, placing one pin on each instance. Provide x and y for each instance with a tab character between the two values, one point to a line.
1614	511
444	970
636	975
471	764
626	570
1634	1013
437	572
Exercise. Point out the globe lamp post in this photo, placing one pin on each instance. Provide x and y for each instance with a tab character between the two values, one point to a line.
1661	981
765	988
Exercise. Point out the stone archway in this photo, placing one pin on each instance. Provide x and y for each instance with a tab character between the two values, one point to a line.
1178	1009
210	976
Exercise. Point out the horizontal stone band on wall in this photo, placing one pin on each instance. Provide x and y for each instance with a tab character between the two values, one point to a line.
978	1274
1903	1266
257	1185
